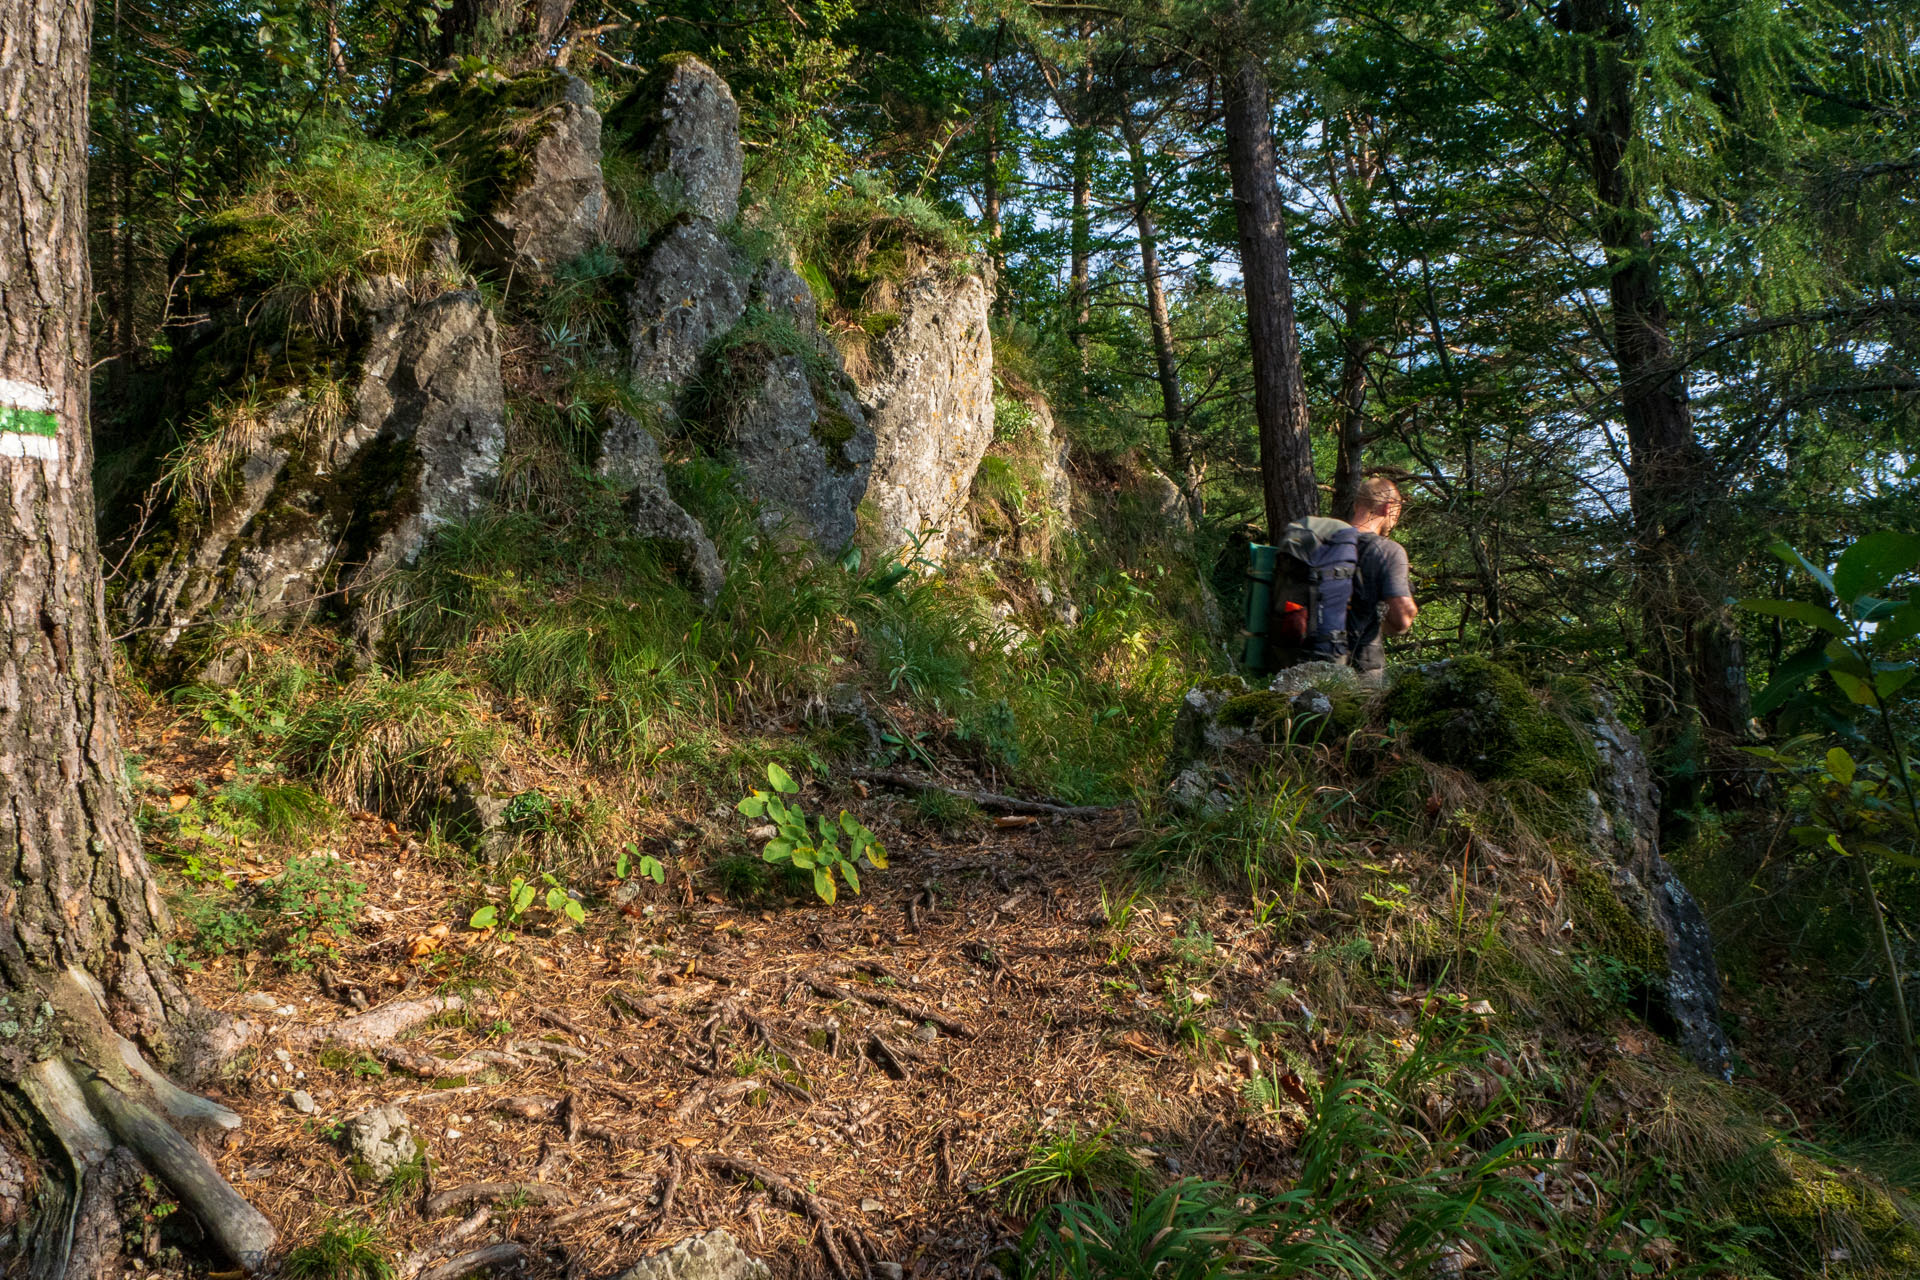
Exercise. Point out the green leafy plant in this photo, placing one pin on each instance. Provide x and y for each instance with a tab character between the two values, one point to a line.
631	861
320	900
1859	805
813	844
521	896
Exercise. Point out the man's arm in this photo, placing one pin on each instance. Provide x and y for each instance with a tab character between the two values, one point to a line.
1397	609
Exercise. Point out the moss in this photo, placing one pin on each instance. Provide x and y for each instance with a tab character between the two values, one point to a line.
487	123
1821	1213
1611	926
1260	709
878	324
1477	715
1222	684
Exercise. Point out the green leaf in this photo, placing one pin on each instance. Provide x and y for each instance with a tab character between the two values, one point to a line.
1857	690
1811	837
575	912
806	857
1794	558
848	823
557	899
1805	611
483	918
877	855
852	874
653	869
753	806
1901	625
1873	562
620	865
1833	843
1894	856
1840	765
780	780
823	885
1888	683
1792	674
778	850
522	896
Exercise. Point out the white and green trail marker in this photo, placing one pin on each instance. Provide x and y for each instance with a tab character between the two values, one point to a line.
28	427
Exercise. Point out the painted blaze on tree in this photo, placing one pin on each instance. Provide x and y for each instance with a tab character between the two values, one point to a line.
80	921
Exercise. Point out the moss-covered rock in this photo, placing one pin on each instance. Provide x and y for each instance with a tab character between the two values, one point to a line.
1834	1223
1476	715
526	149
1609	924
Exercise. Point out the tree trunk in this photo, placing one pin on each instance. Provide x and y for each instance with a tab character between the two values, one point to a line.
1186	468
990	174
1698	664
1279	393
1350	461
520	32
1080	284
81	923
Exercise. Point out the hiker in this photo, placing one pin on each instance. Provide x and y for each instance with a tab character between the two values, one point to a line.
1338	588
1382	603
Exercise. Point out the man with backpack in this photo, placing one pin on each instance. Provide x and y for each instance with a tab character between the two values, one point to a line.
1337	589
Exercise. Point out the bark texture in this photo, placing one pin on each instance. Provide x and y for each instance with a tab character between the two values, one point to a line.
1186	467
80	919
1697	667
1279	393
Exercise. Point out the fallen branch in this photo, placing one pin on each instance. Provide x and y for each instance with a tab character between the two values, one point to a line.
494	1257
825	986
377	1026
473	1193
988	800
428	1067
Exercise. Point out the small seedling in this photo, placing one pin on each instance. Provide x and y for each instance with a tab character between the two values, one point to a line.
632	861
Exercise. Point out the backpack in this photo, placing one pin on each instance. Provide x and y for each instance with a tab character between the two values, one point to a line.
1316	560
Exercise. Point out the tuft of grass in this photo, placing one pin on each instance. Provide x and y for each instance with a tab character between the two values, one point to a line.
1062	1165
389	743
345	210
342	1251
947	813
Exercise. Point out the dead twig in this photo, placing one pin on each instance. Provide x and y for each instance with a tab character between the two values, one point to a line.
797	1200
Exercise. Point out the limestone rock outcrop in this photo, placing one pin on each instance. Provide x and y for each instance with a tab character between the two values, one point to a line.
930	404
1625	831
685	126
528	151
713	1255
732	350
327	486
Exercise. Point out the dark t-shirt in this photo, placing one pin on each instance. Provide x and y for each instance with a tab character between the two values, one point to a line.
1382	576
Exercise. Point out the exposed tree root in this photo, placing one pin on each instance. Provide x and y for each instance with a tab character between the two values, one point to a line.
378	1026
800	1201
108	1110
474	1262
494	1192
992	802
824	986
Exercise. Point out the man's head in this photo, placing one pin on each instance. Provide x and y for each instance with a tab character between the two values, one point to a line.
1377	506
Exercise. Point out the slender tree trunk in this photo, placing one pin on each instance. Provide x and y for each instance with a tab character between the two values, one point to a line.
81	924
1698	666
1080	284
1279	393
519	30
1186	467
990	176
1350	461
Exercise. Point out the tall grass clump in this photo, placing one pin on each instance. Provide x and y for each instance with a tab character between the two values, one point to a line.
388	743
347	208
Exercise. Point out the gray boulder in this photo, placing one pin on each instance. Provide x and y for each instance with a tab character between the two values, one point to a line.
1625	833
552	213
379	1142
327	490
930	404
527	150
715	1255
684	125
688	291
803	449
630	457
